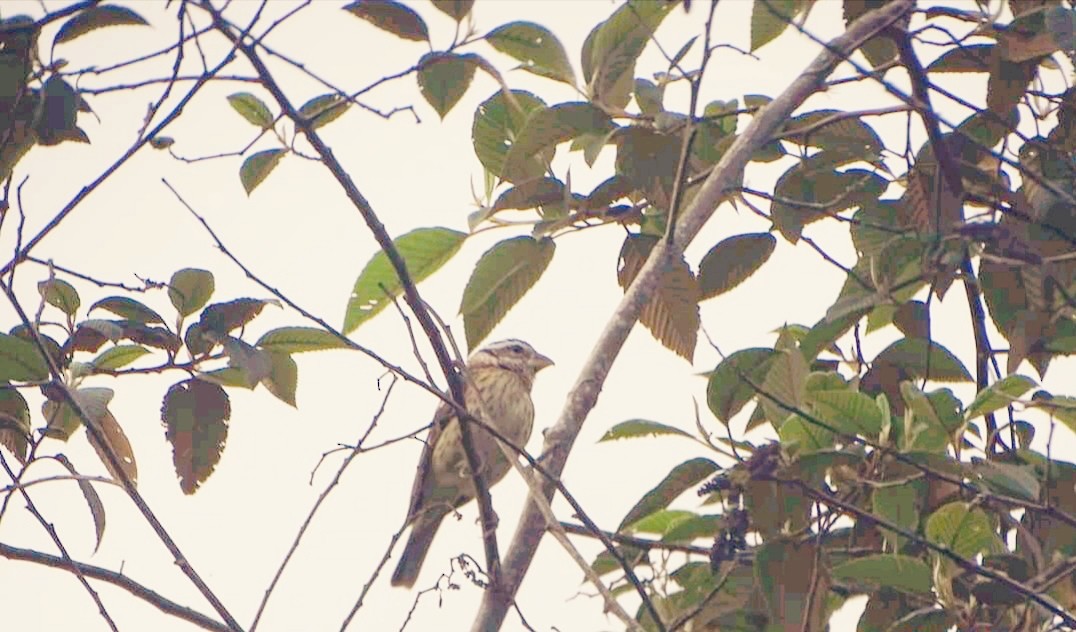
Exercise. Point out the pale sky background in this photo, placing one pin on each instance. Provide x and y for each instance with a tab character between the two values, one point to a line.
299	233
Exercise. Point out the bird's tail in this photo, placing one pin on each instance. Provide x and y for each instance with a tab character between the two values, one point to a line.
418	544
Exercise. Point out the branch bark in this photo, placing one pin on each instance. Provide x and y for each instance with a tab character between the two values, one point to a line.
161	602
584	394
411	295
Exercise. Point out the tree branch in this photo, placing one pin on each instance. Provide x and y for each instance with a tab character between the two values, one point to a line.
584	393
411	295
116	579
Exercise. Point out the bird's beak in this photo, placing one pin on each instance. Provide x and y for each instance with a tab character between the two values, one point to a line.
540	362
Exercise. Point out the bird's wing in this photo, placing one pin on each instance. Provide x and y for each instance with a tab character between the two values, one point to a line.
420	489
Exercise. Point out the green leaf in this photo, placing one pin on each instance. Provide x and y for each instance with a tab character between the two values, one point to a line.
221	318
770	18
649	97
926	431
14	422
501	277
58	113
929	619
251	108
918	357
899	572
826	332
283	378
536	46
680	479
813	190
128	308
391	16
21	361
257	167
547	128
60	294
298	340
732	261
610	52
635	428
118	356
190	289
195	414
324	109
964	58
692	528
531	194
443	78
661	522
729	386
785	386
964	530
423	250
455	9
998	395
497	123
898	504
672	313
837	133
94	18
850	412
1010	479
93	500
229	376
802	436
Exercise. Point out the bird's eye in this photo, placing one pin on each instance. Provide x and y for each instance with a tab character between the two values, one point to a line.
516	348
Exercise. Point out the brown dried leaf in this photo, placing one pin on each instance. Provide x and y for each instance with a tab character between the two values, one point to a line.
672	314
115	439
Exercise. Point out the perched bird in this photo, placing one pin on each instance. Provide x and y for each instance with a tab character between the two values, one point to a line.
498	390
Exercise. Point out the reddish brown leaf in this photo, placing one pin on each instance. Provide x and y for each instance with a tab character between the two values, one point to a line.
195	415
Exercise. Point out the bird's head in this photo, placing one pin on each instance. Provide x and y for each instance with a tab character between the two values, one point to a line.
512	355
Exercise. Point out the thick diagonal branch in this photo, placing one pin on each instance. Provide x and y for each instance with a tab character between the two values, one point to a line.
584	394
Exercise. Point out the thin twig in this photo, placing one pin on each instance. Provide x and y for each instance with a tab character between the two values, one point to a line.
317	504
120	580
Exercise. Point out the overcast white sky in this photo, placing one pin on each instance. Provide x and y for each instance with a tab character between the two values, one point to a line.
298	232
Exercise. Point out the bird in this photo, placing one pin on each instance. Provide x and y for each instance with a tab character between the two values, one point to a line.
497	389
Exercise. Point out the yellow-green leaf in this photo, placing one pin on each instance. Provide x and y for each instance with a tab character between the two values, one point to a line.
324	109
732	261
392	17
298	340
118	356
190	289
60	294
97	17
536	46
21	361
251	108
283	378
423	250
257	167
501	277
443	78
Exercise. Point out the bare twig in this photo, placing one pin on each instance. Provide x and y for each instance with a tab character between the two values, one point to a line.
65	559
116	579
317	504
